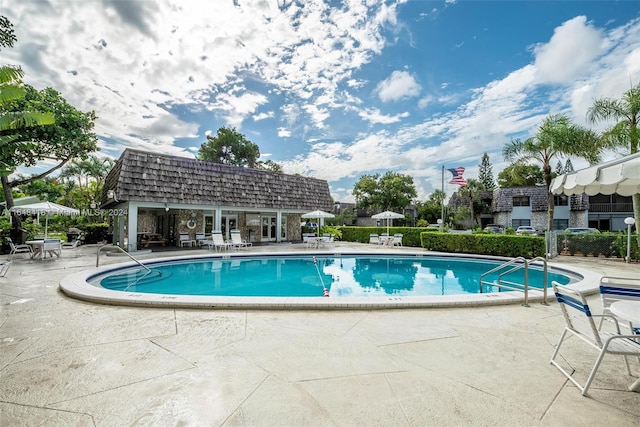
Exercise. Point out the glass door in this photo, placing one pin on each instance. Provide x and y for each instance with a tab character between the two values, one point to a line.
268	228
229	222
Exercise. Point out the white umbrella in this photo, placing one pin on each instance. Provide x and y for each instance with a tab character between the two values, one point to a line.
318	214
620	176
389	216
46	208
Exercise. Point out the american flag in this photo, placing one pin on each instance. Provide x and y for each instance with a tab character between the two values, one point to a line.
457	176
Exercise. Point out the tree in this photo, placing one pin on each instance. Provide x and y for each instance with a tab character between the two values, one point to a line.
625	133
556	137
269	165
485	174
431	209
472	191
229	147
70	137
392	191
86	171
521	176
13	120
7	35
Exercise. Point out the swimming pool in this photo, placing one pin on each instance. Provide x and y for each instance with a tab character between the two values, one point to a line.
292	280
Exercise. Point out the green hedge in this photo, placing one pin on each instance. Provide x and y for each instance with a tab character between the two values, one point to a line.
95	233
410	235
485	244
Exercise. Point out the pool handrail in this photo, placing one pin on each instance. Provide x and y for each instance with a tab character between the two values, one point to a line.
523	263
121	250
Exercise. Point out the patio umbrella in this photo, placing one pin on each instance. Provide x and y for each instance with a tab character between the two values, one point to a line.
46	208
619	176
389	216
318	214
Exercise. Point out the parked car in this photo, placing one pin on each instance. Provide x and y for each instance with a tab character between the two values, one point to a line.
494	228
581	230
526	230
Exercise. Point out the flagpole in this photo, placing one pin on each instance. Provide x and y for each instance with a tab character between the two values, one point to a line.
442	203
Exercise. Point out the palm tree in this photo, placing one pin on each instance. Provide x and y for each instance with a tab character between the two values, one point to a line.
625	132
556	137
471	191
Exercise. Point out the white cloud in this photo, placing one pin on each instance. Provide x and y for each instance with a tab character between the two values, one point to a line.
284	133
398	86
373	115
571	50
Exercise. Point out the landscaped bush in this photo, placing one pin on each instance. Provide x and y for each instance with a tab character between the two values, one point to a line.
485	244
590	244
621	245
410	235
95	233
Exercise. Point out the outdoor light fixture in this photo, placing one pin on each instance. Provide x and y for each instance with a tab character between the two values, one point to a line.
166	207
93	205
111	195
629	221
440	224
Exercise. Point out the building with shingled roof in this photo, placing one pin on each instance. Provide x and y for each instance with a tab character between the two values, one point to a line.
151	198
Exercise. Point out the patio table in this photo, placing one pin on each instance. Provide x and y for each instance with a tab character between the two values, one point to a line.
42	247
628	310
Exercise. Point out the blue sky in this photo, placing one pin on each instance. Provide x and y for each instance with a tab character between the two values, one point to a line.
331	89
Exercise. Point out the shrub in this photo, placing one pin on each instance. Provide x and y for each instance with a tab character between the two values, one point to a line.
485	244
95	232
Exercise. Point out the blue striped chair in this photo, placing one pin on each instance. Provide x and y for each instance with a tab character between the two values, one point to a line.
614	289
580	323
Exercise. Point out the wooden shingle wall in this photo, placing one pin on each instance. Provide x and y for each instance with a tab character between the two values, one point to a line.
503	199
150	177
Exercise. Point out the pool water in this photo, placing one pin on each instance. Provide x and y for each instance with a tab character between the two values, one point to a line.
343	276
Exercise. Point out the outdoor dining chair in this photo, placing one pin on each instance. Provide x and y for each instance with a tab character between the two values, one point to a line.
580	323
19	249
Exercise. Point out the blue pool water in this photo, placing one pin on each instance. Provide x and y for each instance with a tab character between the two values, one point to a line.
343	276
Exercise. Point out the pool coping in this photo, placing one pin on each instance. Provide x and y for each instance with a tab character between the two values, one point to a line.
77	286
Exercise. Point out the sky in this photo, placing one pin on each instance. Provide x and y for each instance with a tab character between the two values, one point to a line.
330	89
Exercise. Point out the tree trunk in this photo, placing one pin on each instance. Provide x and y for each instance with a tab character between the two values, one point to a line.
16	221
547	181
636	215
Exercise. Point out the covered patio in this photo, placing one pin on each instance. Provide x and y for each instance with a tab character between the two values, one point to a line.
151	198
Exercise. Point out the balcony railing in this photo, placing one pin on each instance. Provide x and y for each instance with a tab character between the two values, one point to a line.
610	207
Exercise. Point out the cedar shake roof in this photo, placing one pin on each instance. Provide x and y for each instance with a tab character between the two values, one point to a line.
503	199
150	177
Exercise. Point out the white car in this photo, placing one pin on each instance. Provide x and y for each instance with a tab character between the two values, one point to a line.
526	230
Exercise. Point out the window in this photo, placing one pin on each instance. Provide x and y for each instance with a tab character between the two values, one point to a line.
560	200
521	201
560	224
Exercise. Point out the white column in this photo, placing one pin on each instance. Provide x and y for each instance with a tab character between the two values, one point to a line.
278	226
132	228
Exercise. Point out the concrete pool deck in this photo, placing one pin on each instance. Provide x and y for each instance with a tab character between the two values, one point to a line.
69	362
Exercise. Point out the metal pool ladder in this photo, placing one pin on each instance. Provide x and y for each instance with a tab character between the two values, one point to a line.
121	250
517	264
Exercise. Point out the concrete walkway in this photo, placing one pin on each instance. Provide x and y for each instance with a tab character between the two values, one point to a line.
67	362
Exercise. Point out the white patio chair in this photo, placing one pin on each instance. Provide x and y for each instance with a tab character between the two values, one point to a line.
201	239
579	322
186	240
4	267
236	240
19	249
614	289
71	245
397	240
217	241
374	239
